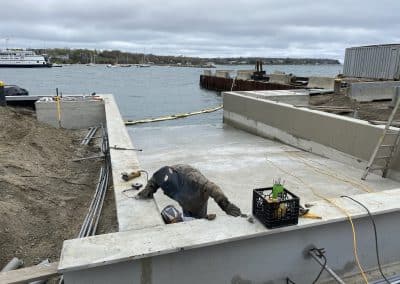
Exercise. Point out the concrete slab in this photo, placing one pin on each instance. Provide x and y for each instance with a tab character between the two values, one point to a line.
223	74
244	74
294	97
131	213
239	162
371	91
280	78
132	245
321	82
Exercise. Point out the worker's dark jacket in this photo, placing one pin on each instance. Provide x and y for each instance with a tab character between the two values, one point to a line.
187	186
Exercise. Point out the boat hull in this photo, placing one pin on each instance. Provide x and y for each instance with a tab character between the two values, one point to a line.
25	65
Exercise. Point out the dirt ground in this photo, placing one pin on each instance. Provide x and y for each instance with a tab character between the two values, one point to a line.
44	195
378	110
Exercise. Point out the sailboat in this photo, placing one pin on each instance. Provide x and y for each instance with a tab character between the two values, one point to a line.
143	64
126	64
92	61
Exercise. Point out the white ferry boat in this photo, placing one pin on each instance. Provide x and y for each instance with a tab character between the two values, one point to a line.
22	58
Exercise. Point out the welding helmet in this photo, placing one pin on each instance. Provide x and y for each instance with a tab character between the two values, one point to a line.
171	215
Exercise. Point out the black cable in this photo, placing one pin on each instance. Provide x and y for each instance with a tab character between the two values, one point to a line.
375	233
320	253
289	281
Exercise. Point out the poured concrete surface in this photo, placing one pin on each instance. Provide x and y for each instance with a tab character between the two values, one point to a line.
239	162
220	251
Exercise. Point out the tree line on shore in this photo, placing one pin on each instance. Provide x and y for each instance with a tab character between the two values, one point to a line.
84	56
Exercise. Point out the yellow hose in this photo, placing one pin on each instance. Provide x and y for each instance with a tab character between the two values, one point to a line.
173	116
337	206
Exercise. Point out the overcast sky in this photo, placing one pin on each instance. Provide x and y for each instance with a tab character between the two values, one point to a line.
308	28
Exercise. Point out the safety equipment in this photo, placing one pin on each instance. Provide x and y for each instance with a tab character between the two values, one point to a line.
171	215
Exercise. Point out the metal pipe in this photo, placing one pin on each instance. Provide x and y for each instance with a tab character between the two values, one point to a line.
92	131
86	136
102	201
96	205
327	268
85	222
13	264
42	263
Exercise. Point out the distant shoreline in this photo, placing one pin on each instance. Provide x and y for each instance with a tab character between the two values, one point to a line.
86	56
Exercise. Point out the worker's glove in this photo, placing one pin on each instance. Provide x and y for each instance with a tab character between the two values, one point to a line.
144	194
230	208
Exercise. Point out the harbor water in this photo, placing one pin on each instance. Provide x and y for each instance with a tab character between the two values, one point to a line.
143	92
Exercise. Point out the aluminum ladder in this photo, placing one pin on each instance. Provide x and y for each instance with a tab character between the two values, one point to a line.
389	148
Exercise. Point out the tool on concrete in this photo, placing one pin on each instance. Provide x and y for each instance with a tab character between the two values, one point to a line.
386	150
305	213
14	263
136	185
319	256
128	176
115	147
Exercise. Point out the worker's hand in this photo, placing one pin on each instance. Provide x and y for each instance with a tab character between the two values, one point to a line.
233	210
229	208
144	194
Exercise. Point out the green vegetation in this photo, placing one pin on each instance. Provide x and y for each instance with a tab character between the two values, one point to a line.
84	56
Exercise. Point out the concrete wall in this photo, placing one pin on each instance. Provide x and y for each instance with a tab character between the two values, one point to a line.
207	72
321	82
263	259
244	74
74	114
293	97
371	91
280	78
222	74
337	137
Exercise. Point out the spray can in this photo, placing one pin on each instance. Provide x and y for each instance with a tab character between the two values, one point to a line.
2	95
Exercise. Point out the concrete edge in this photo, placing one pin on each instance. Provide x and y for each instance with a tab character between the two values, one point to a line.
131	213
217	233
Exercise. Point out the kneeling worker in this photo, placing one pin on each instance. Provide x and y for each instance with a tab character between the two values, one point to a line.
190	189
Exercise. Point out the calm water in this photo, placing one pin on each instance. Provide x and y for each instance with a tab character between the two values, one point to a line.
142	92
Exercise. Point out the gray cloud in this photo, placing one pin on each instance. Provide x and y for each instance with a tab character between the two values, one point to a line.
282	28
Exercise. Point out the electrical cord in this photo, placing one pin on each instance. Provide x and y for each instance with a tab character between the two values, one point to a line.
321	254
375	234
289	281
329	172
337	206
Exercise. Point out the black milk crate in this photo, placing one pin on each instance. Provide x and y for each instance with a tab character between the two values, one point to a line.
278	213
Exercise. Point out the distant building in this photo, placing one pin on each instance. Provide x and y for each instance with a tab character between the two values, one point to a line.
373	62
